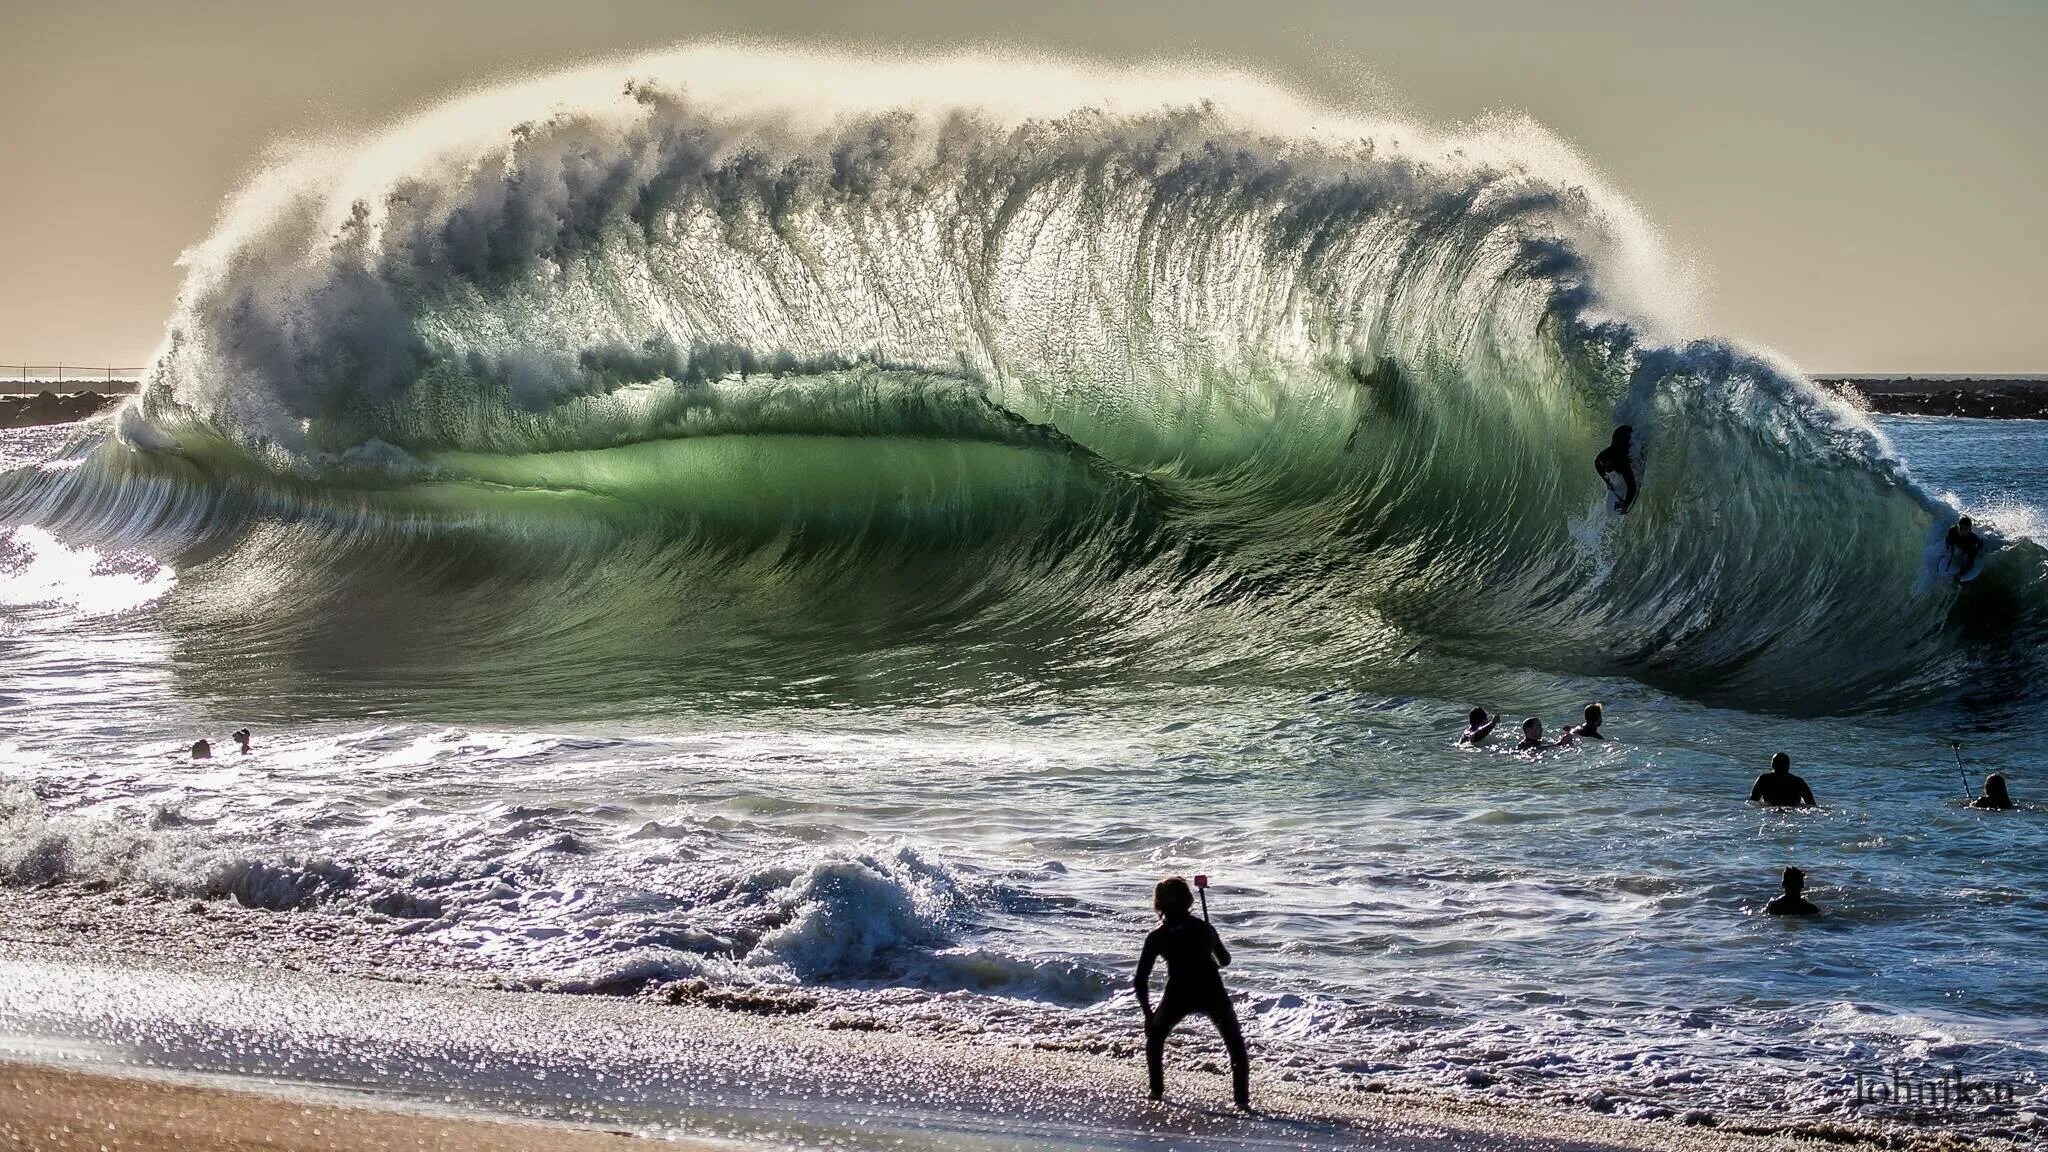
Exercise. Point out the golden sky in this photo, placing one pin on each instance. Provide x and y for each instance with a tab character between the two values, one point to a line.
1863	184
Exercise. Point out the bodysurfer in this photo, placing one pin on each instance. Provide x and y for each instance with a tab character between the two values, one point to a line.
1194	956
1964	546
1614	461
1995	797
1779	788
1590	730
1478	726
1792	901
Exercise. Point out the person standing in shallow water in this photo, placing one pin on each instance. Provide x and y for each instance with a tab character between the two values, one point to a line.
1779	788
1195	957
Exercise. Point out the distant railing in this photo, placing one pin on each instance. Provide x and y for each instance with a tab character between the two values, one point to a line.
31	377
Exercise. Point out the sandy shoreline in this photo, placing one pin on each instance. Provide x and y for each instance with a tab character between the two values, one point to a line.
61	1109
671	1072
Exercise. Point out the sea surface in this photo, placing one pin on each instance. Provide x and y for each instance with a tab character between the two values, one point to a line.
704	544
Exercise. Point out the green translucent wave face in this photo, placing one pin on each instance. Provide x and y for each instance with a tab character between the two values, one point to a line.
941	493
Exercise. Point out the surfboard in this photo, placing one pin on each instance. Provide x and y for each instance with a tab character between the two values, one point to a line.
1975	569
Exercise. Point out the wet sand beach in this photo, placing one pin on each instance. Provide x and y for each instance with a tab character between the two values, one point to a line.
59	1109
419	1065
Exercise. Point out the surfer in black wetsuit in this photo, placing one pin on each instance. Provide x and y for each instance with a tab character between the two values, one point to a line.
1194	986
1779	788
1791	902
1964	546
1995	797
1613	461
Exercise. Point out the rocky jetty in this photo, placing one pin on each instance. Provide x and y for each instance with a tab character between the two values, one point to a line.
52	408
1991	399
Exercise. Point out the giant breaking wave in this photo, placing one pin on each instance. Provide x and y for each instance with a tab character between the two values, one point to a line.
1121	369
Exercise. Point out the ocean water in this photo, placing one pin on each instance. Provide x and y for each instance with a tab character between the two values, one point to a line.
657	537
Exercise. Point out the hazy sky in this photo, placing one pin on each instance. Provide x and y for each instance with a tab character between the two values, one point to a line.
1863	182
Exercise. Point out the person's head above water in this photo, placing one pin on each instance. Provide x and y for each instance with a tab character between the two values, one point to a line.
1963	523
1994	789
1172	897
1593	715
1532	729
201	750
1622	435
1476	717
1781	763
1794	881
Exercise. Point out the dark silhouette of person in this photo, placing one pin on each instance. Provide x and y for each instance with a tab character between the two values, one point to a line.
1995	796
201	750
1779	788
1478	727
241	738
1790	902
1964	546
1613	461
1590	730
1194	957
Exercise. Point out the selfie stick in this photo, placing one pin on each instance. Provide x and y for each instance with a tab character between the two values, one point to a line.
1202	887
1955	748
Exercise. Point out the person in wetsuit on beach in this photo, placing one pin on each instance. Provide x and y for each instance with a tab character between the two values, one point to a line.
1779	788
1613	461
1194	957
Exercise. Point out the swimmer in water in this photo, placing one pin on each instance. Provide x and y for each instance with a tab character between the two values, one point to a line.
1532	737
1791	902
1478	727
201	750
1195	956
1614	461
1590	730
1779	788
241	739
1995	797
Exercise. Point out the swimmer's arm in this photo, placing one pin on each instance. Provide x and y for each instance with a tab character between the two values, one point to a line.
1146	958
1806	795
1486	729
1222	953
1756	791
